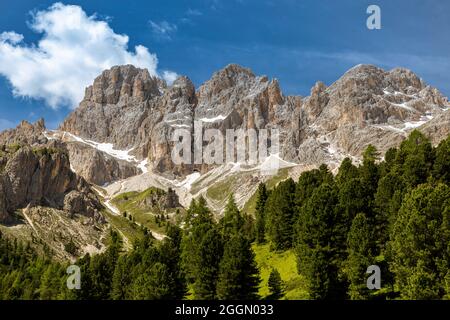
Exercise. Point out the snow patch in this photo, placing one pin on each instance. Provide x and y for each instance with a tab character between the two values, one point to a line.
189	180
47	136
218	118
406	126
180	126
403	105
143	166
108	148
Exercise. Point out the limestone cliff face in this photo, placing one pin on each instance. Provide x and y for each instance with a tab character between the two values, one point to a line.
42	176
367	105
98	167
115	106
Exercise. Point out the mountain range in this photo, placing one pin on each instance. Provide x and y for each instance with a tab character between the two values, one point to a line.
118	142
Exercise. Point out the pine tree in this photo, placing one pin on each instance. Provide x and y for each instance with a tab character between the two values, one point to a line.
199	222
153	284
238	273
261	200
415	158
347	171
275	284
318	255
441	166
210	253
201	250
232	221
369	175
121	280
171	256
280	215
419	242
388	197
360	256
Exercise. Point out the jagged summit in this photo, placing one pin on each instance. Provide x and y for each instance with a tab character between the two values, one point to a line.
24	133
138	113
234	69
123	82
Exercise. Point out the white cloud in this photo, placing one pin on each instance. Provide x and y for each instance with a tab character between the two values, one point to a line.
163	29
11	37
169	76
73	50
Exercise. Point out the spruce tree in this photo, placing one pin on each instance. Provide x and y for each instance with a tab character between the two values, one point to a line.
280	215
232	221
238	273
261	199
419	243
210	253
275	284
318	255
360	256
441	166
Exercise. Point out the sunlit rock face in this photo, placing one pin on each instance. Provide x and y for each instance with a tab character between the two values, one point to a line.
138	114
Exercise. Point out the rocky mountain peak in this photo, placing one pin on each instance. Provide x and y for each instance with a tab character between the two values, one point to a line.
365	78
24	133
233	70
231	76
360	78
362	106
181	87
404	79
317	100
123	82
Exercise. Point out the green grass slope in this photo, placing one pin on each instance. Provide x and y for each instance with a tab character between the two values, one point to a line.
285	263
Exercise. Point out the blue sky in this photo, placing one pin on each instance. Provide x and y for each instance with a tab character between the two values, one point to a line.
298	42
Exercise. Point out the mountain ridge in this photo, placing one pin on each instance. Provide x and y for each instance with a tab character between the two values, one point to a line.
120	135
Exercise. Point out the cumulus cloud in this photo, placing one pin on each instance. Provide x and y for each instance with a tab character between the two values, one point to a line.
163	29
11	37
169	76
73	50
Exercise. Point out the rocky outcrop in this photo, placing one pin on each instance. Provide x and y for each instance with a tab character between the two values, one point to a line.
76	202
438	128
40	176
98	167
25	134
160	200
